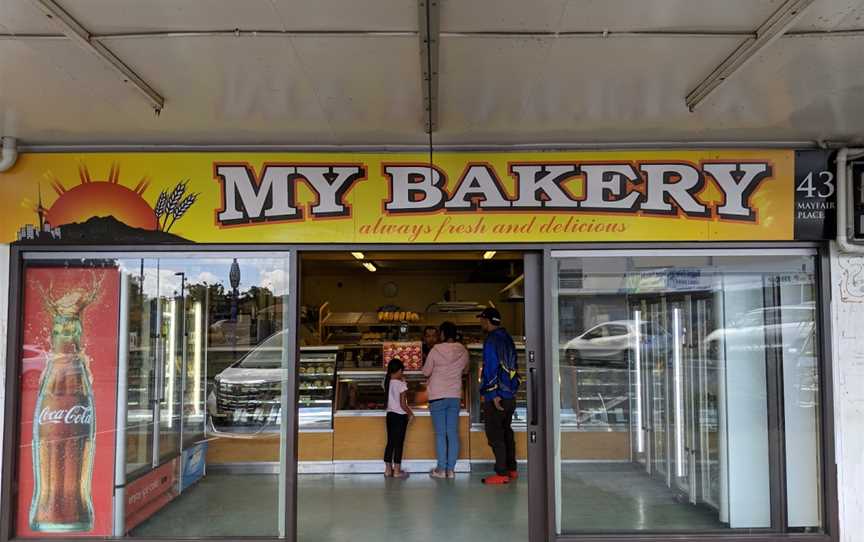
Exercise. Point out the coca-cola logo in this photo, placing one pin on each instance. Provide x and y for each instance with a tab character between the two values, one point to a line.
78	414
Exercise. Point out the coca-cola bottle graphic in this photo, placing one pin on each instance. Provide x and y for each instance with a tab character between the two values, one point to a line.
64	422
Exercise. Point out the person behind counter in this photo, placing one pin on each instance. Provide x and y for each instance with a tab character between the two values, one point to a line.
499	387
398	416
445	365
431	337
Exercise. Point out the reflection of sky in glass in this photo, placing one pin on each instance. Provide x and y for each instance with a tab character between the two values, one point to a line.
270	273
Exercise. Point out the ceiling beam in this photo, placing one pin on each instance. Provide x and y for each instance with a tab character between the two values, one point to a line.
80	35
428	12
772	29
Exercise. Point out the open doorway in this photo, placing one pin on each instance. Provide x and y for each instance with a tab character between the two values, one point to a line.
358	311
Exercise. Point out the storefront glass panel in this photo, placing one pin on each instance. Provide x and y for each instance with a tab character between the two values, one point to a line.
674	372
190	355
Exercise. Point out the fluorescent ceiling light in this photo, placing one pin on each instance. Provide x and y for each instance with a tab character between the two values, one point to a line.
370	266
489	254
358	255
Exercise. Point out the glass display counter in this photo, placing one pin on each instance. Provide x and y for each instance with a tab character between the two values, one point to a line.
595	398
363	390
316	383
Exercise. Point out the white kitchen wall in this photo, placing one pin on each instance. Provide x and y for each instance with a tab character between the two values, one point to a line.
847	308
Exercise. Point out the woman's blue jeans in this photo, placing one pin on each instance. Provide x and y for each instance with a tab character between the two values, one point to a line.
445	418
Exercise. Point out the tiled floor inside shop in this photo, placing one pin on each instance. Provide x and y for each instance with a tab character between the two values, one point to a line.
369	507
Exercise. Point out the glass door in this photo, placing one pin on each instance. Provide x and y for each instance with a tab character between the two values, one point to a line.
203	389
142	348
169	373
713	346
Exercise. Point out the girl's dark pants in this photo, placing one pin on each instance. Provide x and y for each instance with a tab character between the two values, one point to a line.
397	425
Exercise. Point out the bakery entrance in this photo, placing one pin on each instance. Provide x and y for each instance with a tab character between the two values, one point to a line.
413	315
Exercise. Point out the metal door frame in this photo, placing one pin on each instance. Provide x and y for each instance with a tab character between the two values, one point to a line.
541	487
827	469
536	379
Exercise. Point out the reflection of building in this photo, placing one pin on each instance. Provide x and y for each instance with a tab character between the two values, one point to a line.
34	233
42	232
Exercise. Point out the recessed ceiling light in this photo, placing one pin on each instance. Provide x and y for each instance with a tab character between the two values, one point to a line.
358	255
489	254
370	266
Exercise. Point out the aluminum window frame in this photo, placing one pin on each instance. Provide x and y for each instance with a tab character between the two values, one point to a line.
540	484
20	256
828	471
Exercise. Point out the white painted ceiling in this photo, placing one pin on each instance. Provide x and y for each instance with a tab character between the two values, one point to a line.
511	72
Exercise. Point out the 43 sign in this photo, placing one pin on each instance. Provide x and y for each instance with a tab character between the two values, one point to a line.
815	195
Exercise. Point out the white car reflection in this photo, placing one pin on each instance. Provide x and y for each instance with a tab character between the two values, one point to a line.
611	343
249	391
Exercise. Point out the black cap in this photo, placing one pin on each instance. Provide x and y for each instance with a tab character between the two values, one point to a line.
491	314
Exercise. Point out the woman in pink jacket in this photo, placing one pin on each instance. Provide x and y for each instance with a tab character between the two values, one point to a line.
445	365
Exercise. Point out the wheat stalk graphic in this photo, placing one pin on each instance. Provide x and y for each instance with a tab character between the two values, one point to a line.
172	205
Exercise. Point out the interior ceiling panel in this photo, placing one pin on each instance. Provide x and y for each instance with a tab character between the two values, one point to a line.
21	17
670	15
53	92
376	15
365	85
594	89
250	90
810	88
597	15
355	90
116	16
501	15
586	88
832	15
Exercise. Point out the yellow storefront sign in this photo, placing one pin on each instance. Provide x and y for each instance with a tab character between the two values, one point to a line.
464	197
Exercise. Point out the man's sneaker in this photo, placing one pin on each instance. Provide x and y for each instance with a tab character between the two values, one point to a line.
514	474
496	479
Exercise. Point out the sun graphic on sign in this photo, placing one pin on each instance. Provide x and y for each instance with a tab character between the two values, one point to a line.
101	198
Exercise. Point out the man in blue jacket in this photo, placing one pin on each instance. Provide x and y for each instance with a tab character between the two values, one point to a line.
499	386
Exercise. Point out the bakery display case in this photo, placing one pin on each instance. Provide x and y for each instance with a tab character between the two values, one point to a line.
316	383
595	398
364	391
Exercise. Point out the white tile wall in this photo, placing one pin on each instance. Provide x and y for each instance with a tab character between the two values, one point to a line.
847	307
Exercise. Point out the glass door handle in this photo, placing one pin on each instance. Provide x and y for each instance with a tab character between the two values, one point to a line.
532	384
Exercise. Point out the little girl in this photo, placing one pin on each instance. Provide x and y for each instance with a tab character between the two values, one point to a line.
398	416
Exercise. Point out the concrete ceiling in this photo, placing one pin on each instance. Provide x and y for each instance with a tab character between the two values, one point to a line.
341	72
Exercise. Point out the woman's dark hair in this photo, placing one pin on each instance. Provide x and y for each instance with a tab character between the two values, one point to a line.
394	366
448	331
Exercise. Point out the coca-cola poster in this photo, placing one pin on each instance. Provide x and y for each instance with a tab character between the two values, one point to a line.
68	390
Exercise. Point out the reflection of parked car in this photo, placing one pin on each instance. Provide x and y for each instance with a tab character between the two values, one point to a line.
790	327
610	343
32	364
249	391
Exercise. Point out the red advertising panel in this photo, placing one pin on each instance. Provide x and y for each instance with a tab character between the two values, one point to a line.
68	402
146	495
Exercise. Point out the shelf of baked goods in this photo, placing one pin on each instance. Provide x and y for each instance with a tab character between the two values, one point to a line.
329	319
